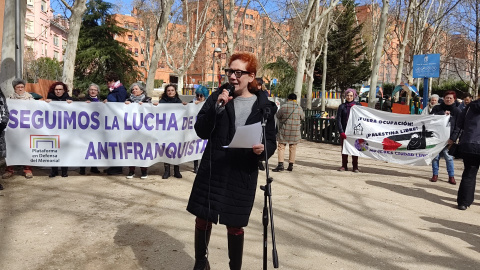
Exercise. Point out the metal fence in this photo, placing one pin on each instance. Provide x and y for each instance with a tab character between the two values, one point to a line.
323	130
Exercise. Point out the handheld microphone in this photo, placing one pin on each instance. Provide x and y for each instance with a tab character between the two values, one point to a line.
230	88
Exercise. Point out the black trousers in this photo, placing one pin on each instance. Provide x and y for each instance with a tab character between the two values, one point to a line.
466	191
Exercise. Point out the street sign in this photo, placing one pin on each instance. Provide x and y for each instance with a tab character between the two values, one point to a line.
426	66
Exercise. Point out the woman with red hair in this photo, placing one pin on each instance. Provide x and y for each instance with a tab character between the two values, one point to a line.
226	181
448	107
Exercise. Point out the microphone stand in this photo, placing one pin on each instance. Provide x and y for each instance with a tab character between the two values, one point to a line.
267	211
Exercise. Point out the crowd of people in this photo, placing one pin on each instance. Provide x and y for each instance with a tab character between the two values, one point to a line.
226	178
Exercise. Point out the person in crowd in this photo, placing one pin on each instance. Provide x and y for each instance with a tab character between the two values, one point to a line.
58	92
92	96
118	93
446	108
469	146
201	94
170	95
415	104
432	103
466	100
4	117
387	105
289	118
226	182
343	112
19	93
138	95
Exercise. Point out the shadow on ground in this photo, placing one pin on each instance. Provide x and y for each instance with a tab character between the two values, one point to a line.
153	249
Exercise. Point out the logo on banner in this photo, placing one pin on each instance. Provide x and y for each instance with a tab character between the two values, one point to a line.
44	141
358	129
361	145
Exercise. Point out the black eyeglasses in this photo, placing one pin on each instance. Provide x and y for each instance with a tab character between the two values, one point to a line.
238	73
199	95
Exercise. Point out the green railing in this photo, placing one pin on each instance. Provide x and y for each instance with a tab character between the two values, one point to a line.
323	130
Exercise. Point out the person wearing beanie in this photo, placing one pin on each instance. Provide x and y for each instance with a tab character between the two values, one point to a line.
343	113
21	94
290	118
448	107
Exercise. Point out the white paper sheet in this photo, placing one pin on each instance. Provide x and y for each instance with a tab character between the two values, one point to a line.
247	136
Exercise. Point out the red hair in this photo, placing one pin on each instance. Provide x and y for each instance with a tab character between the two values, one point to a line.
450	92
52	87
251	67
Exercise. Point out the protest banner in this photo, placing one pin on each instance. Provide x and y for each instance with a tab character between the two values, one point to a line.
397	138
98	134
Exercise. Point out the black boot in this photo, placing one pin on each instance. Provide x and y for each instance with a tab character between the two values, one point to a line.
82	171
195	166
235	251
260	166
279	168
176	171
290	167
166	174
201	243
64	171
53	172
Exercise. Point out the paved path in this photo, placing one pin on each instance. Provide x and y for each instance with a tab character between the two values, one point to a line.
387	217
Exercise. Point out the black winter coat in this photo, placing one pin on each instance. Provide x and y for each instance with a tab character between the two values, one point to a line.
440	109
4	118
53	97
228	194
469	122
170	100
118	94
342	116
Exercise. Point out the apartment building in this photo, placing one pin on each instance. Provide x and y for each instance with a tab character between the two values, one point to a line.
45	33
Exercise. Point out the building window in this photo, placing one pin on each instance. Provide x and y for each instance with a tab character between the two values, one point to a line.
43	6
212	33
55	40
55	55
136	39
213	45
141	51
64	44
45	49
130	37
142	64
136	51
30	26
251	16
30	3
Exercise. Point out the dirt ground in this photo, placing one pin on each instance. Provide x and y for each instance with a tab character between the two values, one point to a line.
388	216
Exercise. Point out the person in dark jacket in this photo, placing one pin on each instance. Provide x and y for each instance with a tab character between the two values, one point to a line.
138	95
226	182
170	95
201	95
4	116
58	92
92	96
469	122
343	113
466	100
448	107
118	93
387	105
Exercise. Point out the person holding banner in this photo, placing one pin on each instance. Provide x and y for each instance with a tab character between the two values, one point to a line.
58	92
92	96
448	107
4	117
201	95
469	146
343	113
138	95
19	93
170	95
226	182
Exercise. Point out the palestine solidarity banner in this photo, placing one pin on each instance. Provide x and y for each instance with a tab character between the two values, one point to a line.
397	138
98	134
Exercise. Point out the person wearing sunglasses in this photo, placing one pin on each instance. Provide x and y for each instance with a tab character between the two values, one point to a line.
224	188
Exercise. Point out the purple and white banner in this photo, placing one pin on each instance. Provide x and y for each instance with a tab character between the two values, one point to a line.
397	138
98	134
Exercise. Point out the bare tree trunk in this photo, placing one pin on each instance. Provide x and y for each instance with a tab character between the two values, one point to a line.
378	54
324	69
157	45
403	45
8	66
75	22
